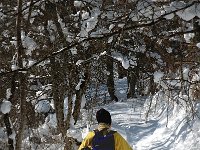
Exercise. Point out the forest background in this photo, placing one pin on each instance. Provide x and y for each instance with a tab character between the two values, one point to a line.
53	50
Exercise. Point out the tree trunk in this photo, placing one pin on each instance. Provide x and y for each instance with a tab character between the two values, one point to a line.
22	115
197	28
121	71
58	77
79	94
58	94
132	81
152	86
22	80
110	78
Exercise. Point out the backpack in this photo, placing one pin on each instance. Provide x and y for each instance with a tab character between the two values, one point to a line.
103	140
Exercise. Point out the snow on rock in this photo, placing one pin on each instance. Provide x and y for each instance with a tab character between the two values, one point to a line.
6	106
42	106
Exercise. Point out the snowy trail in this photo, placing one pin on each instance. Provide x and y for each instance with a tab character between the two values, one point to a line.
155	134
129	122
165	129
158	133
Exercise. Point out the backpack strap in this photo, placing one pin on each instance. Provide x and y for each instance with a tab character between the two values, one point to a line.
104	132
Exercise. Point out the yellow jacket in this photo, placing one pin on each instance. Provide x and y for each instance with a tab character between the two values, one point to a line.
120	142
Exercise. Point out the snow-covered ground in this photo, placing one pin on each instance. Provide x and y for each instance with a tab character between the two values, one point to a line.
163	126
158	132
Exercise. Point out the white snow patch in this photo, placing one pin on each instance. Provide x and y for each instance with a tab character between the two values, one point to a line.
198	45
110	39
111	27
124	60
8	93
103	53
42	106
6	106
85	15
85	131
3	136
91	23
79	84
78	63
78	4
185	73
157	76
40	95
188	36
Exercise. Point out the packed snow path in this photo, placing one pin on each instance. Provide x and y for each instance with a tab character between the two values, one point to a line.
128	119
156	133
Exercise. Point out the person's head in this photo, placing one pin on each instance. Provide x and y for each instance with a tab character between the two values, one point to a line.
103	116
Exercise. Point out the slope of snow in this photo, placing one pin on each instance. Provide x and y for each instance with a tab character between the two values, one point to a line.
162	126
147	123
156	133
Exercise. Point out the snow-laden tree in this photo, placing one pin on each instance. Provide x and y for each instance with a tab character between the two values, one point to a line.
54	52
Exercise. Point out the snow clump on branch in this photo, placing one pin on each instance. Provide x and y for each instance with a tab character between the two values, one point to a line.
6	106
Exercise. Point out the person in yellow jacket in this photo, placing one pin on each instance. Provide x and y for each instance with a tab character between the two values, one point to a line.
104	123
